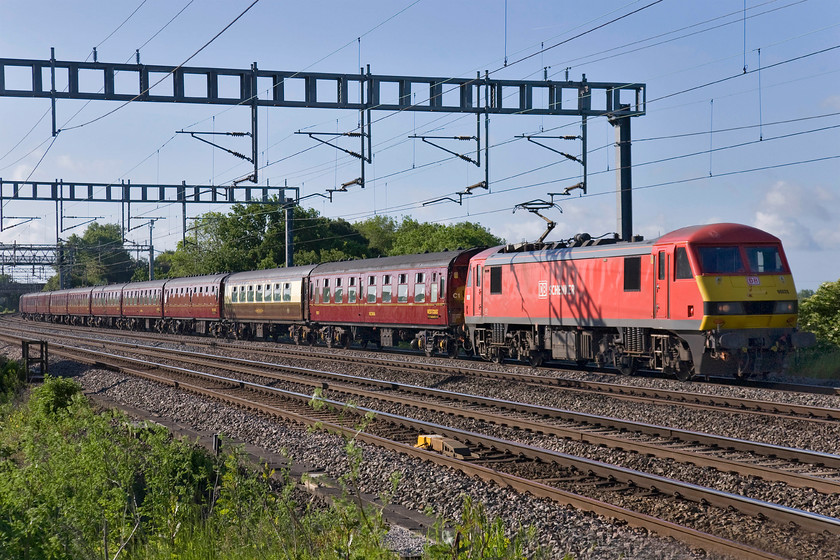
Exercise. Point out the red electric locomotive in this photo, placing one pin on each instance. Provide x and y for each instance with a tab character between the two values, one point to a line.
706	299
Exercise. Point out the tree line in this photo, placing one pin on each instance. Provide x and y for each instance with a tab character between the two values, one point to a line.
253	236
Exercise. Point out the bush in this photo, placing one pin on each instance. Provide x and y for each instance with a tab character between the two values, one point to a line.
75	484
11	379
820	314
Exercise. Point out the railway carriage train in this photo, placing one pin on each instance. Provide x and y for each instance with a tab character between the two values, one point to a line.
710	299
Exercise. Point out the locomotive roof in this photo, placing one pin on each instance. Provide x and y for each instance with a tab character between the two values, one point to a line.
718	233
423	260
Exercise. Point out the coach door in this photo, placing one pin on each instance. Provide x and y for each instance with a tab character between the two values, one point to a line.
662	286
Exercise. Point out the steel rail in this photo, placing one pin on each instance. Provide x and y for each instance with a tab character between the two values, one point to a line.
804	455
806	520
824	485
662	527
661	450
618	391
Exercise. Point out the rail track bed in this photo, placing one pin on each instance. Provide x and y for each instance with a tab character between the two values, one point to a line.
699	394
530	442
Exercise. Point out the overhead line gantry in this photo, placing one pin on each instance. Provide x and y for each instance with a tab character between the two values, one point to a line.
481	95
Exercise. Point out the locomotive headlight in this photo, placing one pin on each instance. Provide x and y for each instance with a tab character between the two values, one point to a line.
787	307
724	308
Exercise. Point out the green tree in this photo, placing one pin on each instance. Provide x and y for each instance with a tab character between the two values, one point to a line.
163	264
380	232
97	257
820	313
416	237
254	236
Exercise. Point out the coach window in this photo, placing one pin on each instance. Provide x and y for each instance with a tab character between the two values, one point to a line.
339	291
250	293
419	287
386	288
495	279
371	291
233	294
258	296
287	291
402	289
433	296
682	268
326	292
351	291
278	293
632	274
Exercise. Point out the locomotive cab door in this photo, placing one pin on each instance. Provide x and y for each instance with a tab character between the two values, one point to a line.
662	286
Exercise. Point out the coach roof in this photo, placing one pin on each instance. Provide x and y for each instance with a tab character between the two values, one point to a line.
402	262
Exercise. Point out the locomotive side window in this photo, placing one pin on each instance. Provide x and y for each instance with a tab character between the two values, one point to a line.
720	260
495	279
764	259
662	269
632	274
682	268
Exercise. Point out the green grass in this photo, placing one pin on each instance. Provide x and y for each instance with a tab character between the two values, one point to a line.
77	484
821	362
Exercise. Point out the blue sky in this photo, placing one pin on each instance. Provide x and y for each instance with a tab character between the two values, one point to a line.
778	170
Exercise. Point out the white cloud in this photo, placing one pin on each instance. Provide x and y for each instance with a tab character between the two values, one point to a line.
802	217
831	102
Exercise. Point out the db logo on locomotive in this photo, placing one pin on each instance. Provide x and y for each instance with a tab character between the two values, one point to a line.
544	290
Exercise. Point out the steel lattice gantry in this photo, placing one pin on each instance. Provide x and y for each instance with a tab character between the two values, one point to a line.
96	80
318	90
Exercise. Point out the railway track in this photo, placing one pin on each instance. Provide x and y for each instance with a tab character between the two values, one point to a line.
701	449
506	455
622	391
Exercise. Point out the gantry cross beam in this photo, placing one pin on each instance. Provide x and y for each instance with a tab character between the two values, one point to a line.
227	86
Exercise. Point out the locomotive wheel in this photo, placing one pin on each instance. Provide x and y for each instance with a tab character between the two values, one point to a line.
626	365
683	371
745	366
328	338
536	358
452	349
496	355
346	340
